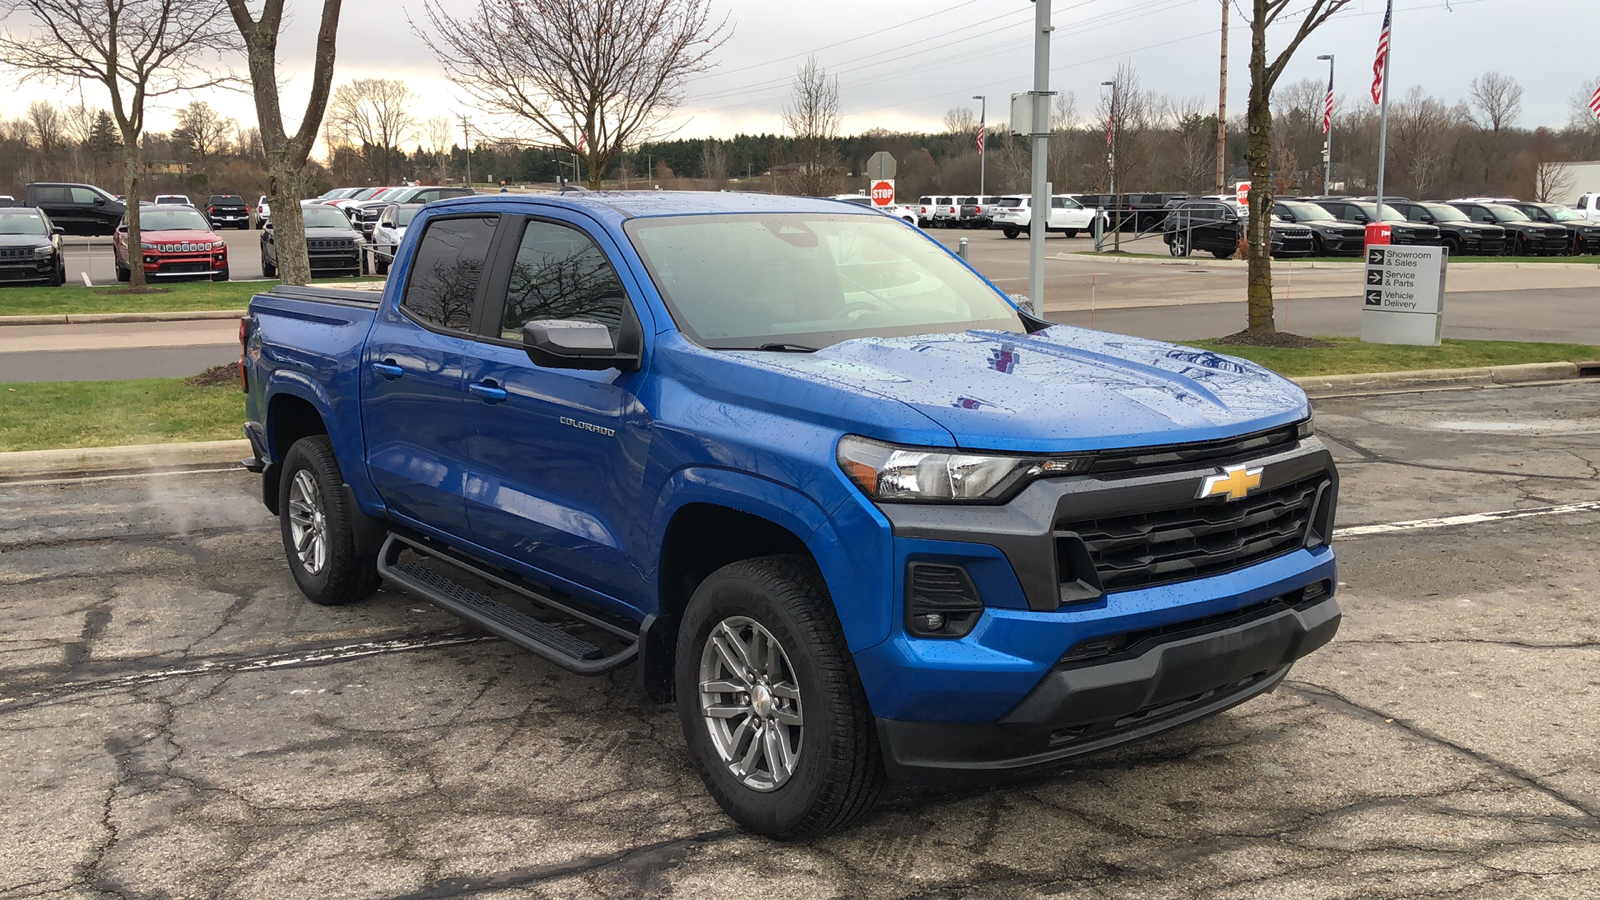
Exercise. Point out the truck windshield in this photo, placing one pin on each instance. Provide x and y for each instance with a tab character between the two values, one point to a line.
1307	212
808	280
1443	213
21	223
1506	213
172	218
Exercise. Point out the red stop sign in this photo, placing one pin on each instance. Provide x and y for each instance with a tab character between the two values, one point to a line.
883	193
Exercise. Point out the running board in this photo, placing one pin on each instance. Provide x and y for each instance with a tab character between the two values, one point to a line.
502	620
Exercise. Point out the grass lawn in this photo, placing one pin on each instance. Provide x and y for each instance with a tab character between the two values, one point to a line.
49	414
1347	355
177	296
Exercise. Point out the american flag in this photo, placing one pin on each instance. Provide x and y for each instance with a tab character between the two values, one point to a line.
1594	102
980	137
1382	61
1327	108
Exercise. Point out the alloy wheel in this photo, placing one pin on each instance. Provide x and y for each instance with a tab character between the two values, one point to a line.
750	701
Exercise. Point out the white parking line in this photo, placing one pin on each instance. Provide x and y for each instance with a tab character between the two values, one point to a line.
1468	519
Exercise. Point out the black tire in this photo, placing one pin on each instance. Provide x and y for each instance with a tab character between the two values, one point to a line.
381	266
268	270
124	275
60	277
838	773
1454	247
1011	233
1319	247
220	276
344	576
1222	254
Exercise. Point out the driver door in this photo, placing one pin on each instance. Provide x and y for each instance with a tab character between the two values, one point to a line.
558	455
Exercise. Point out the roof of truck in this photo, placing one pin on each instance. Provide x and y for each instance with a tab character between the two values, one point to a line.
632	204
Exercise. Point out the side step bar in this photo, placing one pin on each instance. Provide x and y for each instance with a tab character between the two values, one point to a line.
540	638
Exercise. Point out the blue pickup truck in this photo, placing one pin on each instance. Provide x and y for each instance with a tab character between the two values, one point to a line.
831	492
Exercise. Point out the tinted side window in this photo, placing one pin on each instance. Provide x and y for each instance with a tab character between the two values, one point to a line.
561	274
83	196
443	284
50	193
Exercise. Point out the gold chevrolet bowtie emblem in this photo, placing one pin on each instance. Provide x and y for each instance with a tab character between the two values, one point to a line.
1234	482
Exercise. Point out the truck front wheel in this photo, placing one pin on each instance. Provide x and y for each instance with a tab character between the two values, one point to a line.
771	706
318	527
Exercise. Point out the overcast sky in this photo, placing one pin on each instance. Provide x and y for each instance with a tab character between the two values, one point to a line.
902	63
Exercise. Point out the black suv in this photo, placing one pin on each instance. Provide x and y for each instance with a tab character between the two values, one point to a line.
30	247
1365	212
228	209
333	244
1460	234
1329	236
1583	236
1215	225
78	208
1524	237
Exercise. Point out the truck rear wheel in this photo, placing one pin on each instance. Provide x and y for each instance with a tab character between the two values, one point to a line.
1011	233
772	709
318	528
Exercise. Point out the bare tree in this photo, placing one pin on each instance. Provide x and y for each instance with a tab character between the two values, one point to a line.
1496	101
812	116
594	76
77	122
1063	123
1552	182
714	164
373	115
440	135
1193	127
960	121
286	154
138	50
1128	123
1263	77
47	126
204	129
1422	126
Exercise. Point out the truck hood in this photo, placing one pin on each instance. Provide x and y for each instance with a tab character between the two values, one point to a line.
1058	390
178	237
24	241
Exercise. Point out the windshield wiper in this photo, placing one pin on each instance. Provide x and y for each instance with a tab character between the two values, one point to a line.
786	347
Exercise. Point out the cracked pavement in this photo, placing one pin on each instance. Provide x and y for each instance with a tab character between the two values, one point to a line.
175	721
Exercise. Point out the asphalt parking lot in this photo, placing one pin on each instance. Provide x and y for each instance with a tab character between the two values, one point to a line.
175	721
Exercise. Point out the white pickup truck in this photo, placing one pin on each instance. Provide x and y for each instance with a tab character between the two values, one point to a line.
1588	206
1013	215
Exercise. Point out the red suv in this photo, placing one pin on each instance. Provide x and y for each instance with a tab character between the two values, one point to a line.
173	240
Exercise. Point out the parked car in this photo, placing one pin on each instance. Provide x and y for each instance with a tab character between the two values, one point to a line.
263	211
365	213
1524	237
1364	212
903	213
1459	233
78	208
336	194
7	200
228	209
942	212
1588	206
1583	236
1329	235
389	231
1013	215
30	247
853	511
174	240
333	244
1214	225
173	200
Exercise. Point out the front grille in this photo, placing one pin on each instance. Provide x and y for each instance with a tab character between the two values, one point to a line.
331	245
1145	460
1202	538
184	248
16	253
184	268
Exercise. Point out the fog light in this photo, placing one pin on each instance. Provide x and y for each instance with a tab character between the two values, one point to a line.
941	601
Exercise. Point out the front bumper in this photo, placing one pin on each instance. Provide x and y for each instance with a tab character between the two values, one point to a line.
1160	684
180	264
13	271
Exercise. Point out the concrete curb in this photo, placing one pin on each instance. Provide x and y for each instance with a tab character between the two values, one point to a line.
110	318
147	457
135	458
1486	376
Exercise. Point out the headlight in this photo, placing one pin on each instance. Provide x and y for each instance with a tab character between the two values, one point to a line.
145	246
894	473
1305	428
219	245
44	252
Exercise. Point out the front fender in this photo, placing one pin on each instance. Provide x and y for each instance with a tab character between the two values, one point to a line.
852	547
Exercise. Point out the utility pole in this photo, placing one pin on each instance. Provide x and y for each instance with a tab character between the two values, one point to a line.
467	137
1327	142
1041	149
983	115
1111	161
1222	109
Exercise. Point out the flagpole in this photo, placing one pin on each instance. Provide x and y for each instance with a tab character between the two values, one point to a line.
983	116
1327	144
1383	112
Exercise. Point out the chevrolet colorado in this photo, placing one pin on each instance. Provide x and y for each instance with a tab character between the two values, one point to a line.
817	480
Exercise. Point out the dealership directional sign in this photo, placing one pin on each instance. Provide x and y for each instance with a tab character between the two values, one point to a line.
1403	295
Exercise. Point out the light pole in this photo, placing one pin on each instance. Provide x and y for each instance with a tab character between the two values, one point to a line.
1111	162
983	114
1327	142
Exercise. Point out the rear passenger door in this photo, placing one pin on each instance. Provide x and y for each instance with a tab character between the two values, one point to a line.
415	406
558	454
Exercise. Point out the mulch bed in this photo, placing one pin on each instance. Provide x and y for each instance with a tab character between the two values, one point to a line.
1272	339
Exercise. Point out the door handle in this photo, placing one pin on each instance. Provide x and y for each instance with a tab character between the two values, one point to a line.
488	391
388	369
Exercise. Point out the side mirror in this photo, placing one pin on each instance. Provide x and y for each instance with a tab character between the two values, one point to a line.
1427	219
1489	220
57	229
99	201
573	344
1361	218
